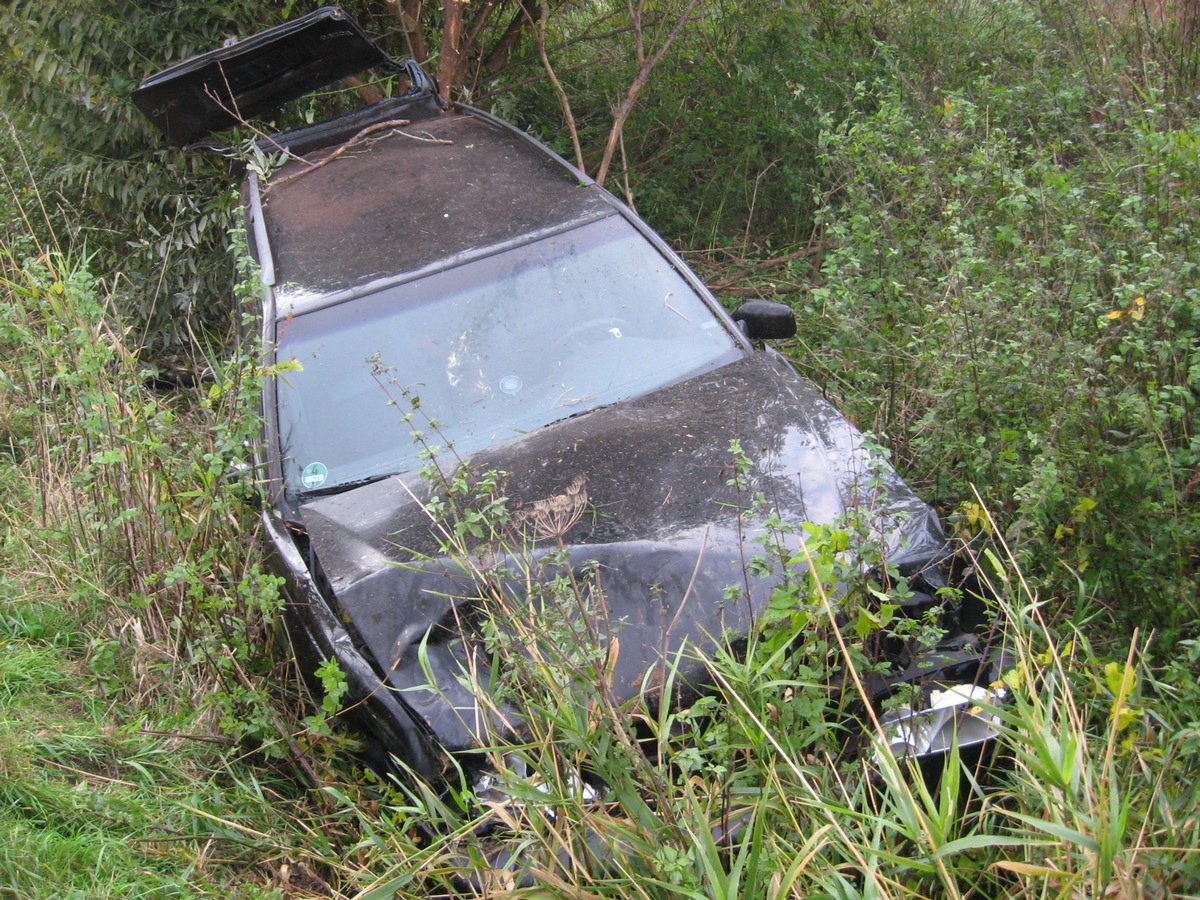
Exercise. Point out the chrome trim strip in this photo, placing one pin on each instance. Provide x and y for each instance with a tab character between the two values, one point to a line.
266	263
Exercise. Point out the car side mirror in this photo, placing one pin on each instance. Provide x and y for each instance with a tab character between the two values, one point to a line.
765	320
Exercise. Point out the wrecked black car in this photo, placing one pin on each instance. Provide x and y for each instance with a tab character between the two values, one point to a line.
443	294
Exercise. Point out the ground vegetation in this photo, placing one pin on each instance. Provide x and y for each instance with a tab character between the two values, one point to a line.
983	213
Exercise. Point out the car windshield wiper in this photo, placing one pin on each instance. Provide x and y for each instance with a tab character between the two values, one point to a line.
345	486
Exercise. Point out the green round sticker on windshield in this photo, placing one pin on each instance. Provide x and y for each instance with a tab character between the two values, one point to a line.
314	475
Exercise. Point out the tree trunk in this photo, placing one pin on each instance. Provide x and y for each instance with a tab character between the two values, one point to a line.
501	52
408	14
451	59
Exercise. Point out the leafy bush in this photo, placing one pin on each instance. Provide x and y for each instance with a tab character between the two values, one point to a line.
151	220
1011	297
135	500
136	619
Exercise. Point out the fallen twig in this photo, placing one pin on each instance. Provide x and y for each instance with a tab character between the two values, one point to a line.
369	130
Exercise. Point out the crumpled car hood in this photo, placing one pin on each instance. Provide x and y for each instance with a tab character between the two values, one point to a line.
646	483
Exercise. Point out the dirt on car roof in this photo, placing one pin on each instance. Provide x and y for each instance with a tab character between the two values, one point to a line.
399	199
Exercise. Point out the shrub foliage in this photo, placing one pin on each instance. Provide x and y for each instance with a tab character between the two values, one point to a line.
983	212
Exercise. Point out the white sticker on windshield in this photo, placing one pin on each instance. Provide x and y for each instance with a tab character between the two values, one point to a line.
314	475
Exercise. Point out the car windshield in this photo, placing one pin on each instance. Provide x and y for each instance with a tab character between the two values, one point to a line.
488	350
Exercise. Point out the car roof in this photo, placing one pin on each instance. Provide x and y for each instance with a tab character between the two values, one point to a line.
402	200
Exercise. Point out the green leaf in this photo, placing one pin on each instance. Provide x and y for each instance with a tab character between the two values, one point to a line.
1070	835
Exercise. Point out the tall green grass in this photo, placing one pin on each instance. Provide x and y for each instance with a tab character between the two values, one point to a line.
752	791
1006	293
118	778
137	668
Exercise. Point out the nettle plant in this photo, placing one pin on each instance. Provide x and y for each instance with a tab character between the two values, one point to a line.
838	608
1010	296
143	494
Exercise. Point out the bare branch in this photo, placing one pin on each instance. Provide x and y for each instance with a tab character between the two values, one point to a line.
497	58
558	88
645	67
368	92
517	85
478	23
408	14
348	145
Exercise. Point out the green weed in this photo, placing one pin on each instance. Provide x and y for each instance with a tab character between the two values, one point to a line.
989	237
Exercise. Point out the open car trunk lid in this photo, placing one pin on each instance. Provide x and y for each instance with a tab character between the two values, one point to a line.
215	91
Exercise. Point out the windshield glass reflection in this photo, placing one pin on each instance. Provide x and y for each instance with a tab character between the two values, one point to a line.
489	350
